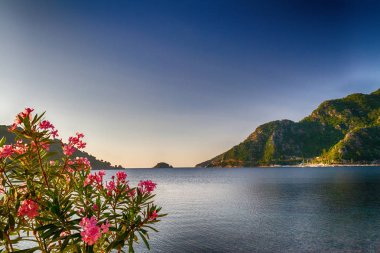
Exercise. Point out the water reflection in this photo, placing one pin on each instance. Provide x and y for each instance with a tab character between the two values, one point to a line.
267	210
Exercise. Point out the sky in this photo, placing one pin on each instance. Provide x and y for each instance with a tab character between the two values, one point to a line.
181	81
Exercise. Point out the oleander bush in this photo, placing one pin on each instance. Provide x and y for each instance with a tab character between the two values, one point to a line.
53	202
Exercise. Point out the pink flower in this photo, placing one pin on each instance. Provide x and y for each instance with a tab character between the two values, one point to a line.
95	207
68	150
102	173
132	193
22	115
20	148
45	145
96	178
83	163
74	142
54	133
120	185
29	208
121	176
81	145
77	142
105	227
27	111
110	187
13	127
87	181
90	231
46	125
146	186
153	215
6	151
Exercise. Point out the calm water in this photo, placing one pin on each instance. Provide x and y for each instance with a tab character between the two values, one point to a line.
266	209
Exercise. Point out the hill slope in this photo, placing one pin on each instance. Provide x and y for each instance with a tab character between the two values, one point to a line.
338	131
95	163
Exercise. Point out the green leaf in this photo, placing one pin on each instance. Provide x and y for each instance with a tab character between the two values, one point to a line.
155	230
144	240
2	141
49	233
45	227
36	119
115	244
11	221
26	123
64	244
130	244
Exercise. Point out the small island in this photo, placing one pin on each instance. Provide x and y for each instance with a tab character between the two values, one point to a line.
163	165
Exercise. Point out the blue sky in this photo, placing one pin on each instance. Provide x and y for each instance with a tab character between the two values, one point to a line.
181	81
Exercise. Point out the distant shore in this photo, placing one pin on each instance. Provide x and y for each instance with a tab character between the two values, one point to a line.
320	165
309	165
338	165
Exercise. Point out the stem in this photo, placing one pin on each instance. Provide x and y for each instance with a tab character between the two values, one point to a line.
9	243
42	167
4	176
8	181
65	164
37	238
41	243
114	213
7	246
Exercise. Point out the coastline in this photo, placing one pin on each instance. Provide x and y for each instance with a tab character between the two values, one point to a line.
321	165
317	165
309	165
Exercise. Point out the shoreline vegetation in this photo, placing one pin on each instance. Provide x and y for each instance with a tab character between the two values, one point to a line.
310	165
319	165
339	132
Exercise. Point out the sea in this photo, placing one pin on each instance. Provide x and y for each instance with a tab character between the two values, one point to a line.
331	209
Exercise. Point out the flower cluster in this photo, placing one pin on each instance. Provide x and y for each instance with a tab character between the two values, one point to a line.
59	202
153	215
20	147
46	125
6	151
146	186
82	163
74	142
28	208
121	176
43	144
91	232
20	117
111	186
120	185
95	179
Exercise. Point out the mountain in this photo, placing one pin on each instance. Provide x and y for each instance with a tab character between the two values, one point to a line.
345	130
95	162
162	165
